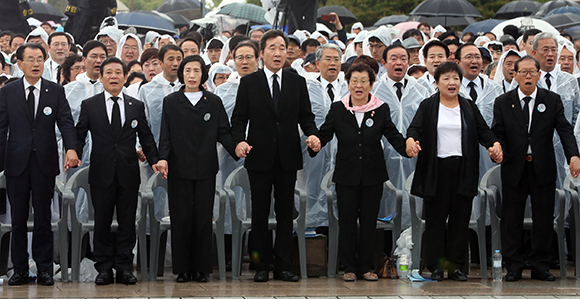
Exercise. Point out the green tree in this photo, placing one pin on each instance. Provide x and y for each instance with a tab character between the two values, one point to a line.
143	4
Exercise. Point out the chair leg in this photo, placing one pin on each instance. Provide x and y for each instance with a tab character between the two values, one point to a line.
237	253
142	241
302	253
63	244
332	251
76	237
562	253
153	250
221	251
482	252
416	250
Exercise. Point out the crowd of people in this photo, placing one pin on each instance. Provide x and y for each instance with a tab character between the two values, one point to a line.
370	106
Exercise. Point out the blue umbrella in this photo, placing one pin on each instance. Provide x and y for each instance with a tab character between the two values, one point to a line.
563	9
144	21
482	27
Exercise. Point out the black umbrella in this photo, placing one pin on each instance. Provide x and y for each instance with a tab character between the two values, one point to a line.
144	21
564	20
516	9
445	8
178	20
345	15
190	9
45	12
392	20
445	21
548	6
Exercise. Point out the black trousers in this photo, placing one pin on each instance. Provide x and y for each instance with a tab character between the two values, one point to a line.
191	211
436	210
512	222
356	244
261	183
114	250
19	189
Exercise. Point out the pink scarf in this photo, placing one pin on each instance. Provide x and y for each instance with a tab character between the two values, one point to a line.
372	104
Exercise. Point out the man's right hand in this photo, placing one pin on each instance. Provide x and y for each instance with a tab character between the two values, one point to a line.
162	167
243	149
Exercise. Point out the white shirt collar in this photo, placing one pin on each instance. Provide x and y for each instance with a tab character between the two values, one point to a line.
466	81
37	85
553	75
325	83
159	78
269	73
522	95
108	96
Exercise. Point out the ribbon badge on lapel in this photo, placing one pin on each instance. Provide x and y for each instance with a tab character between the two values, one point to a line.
370	122
134	123
47	111
207	116
541	107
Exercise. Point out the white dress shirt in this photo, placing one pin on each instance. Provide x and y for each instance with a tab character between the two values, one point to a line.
335	88
36	92
193	97
269	75
521	95
109	103
478	85
553	79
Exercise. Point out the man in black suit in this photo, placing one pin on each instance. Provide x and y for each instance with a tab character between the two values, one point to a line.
29	109
529	167
274	101
115	120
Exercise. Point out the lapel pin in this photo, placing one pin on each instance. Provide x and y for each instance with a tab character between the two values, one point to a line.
541	107
47	111
370	122
130	103
134	123
46	90
513	106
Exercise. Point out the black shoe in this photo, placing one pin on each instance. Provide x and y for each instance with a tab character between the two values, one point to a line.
183	277
457	275
18	279
261	276
513	276
104	278
126	277
543	275
45	279
286	276
200	277
437	274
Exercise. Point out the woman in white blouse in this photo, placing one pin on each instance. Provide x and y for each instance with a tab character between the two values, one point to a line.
447	130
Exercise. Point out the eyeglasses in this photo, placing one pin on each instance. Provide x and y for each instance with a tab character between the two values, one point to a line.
362	81
525	73
471	57
376	46
134	48
78	68
548	50
108	41
95	57
33	60
328	59
56	45
247	57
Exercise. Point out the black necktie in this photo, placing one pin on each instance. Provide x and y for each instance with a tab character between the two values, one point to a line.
116	117
92	81
548	82
171	84
472	92
526	110
330	92
399	86
30	101
275	91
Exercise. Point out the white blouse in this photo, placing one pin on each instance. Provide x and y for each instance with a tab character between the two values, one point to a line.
449	132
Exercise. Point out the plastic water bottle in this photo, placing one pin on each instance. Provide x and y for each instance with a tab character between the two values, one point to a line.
497	271
403	266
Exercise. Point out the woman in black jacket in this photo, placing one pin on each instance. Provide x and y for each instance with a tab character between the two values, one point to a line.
359	122
449	129
192	121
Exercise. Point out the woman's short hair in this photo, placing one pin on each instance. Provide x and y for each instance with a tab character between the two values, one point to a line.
360	67
149	54
69	61
188	59
447	67
371	62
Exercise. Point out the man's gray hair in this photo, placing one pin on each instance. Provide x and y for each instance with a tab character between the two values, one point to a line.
323	47
540	36
256	29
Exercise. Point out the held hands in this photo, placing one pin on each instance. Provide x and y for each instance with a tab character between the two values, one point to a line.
162	167
413	147
71	159
141	155
313	142
495	152
243	149
575	166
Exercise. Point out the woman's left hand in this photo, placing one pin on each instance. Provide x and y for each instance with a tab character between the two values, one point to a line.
496	152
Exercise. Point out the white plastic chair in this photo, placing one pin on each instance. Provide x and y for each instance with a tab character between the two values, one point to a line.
239	178
418	228
333	227
491	185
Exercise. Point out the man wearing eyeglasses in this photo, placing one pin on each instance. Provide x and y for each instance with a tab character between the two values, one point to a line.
524	121
379	40
58	48
109	36
29	110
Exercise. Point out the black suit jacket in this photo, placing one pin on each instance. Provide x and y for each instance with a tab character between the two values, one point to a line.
189	135
509	126
36	135
110	156
272	132
474	131
360	158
